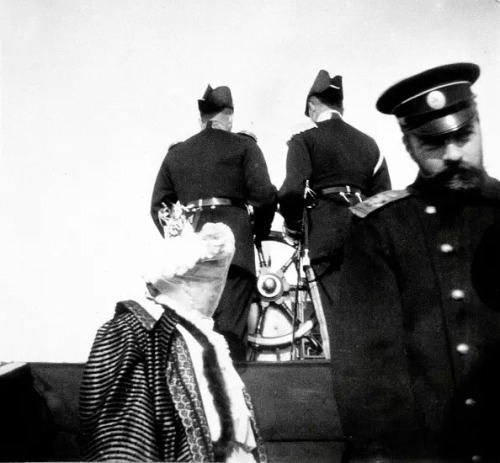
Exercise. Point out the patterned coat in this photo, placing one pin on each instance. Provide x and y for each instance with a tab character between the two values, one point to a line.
332	154
139	397
416	353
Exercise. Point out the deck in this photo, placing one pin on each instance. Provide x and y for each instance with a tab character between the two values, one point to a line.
294	403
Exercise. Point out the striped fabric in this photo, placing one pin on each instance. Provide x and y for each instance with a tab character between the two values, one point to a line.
139	400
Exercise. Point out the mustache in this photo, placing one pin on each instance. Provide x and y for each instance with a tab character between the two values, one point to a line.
461	176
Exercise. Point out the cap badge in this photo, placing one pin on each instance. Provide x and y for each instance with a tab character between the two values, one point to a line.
436	99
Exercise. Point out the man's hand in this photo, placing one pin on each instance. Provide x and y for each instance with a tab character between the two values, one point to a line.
292	234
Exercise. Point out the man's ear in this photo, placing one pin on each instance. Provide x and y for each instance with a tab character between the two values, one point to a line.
409	148
310	107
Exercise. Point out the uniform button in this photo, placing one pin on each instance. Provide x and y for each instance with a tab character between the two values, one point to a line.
476	458
430	210
470	402
463	348
457	294
446	248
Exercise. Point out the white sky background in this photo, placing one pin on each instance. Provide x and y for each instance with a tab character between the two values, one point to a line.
93	92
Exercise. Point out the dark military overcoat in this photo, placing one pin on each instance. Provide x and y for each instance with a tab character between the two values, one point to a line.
486	267
416	353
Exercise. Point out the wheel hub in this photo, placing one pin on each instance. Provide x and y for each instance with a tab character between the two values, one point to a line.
270	286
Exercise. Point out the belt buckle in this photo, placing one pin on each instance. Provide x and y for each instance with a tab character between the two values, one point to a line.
215	203
196	204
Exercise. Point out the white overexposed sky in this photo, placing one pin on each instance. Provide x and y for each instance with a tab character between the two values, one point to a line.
93	92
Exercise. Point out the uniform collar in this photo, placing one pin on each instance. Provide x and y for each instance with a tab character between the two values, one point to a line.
215	125
330	114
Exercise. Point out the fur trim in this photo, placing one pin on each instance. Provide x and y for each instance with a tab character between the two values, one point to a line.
224	446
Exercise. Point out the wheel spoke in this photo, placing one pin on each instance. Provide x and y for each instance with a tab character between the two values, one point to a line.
283	299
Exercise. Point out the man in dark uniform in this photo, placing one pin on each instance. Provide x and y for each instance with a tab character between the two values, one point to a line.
417	354
342	165
218	174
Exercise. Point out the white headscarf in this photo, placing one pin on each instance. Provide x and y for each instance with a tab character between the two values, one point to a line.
191	268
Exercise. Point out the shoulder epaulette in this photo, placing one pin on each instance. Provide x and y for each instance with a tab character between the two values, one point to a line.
377	201
298	134
247	134
175	143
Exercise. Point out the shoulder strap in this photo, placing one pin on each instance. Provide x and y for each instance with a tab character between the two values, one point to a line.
298	135
377	201
173	145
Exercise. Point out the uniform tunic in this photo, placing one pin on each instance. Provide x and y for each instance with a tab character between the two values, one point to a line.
332	154
217	163
486	267
416	353
221	164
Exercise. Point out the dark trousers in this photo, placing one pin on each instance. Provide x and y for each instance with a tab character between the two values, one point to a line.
231	315
327	273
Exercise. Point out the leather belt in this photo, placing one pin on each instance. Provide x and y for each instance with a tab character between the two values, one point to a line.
215	202
340	189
